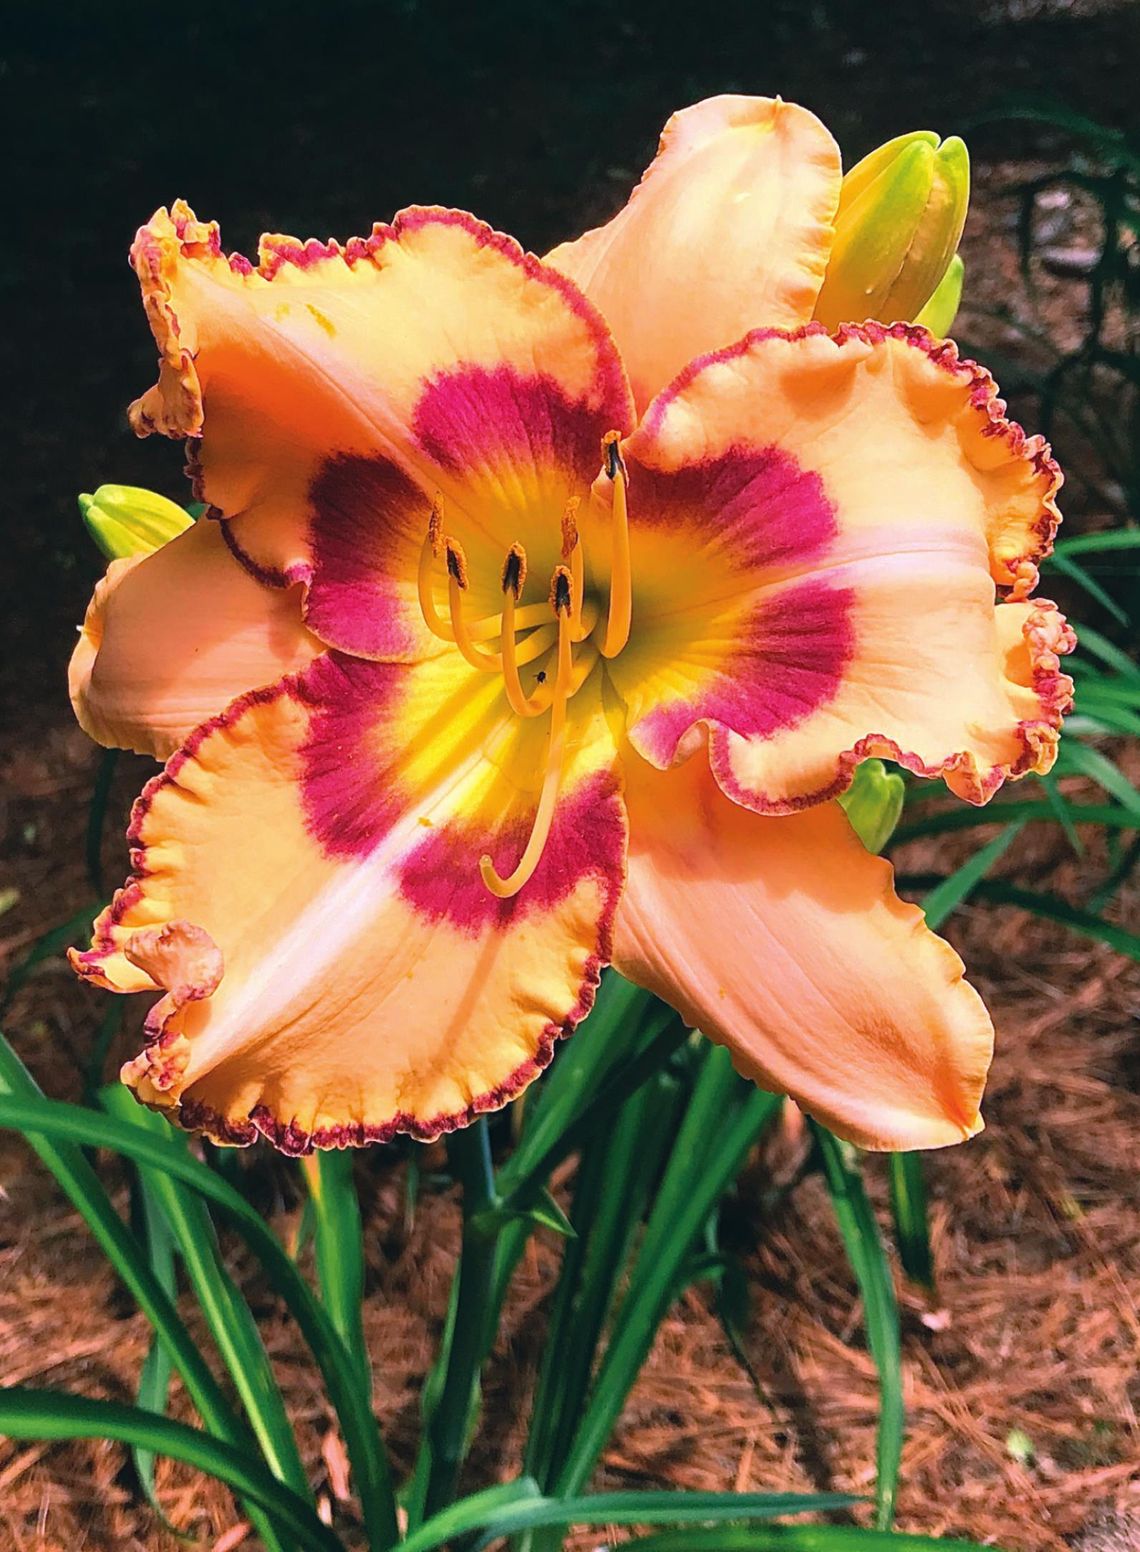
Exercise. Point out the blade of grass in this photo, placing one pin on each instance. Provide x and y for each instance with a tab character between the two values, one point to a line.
47	947
868	1259
63	1122
154	1381
797	1538
949	894
526	1512
909	1211
26	1413
339	1246
84	1190
1086	761
1111	818
615	1176
227	1314
1072	569
1061	807
712	1142
96	817
1100	647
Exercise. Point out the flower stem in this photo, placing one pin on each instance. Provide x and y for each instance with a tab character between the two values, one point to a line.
450	1425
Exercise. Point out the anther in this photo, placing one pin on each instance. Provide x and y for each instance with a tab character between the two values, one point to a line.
570	527
456	562
435	522
456	587
514	571
561	590
621	582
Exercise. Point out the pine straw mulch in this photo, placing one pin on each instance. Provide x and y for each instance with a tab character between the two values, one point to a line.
1036	1237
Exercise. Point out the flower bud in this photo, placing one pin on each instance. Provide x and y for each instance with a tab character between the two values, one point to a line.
873	803
125	520
900	218
939	313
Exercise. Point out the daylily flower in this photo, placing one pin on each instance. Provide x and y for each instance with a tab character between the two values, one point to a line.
541	613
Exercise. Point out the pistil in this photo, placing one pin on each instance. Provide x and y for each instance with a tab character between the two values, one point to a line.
561	597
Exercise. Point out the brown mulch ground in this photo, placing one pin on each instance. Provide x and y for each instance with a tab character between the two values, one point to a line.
1037	1243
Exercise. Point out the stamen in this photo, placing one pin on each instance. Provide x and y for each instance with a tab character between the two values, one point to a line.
621	582
456	587
514	571
572	551
514	574
432	619
504	888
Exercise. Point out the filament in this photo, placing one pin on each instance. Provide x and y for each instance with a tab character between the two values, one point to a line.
621	581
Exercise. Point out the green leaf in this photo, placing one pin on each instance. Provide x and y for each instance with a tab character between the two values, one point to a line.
1050	908
1089	762
96	817
718	1129
1087	544
227	1314
963	818
58	1121
85	1191
908	1209
47	947
1100	647
539	1209
1084	579
797	1538
505	1517
339	1245
949	894
154	1380
868	1259
44	1414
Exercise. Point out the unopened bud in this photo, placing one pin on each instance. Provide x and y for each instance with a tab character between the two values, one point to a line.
939	313
900	218
126	520
873	803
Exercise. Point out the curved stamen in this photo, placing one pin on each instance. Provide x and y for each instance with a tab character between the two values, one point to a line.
501	887
432	619
456	587
621	582
514	575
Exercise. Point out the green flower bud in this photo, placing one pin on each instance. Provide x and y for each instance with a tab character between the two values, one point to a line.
873	803
939	313
900	218
125	520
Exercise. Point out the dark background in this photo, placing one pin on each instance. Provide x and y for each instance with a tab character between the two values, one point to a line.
318	119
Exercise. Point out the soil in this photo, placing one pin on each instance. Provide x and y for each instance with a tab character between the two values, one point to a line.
539	119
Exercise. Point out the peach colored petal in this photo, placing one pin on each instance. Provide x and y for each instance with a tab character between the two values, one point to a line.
307	895
334	390
729	229
171	637
783	939
820	531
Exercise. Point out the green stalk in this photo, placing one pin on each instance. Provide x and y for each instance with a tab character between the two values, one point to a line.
449	1426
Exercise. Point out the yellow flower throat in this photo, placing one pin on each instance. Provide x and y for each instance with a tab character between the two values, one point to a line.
526	631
